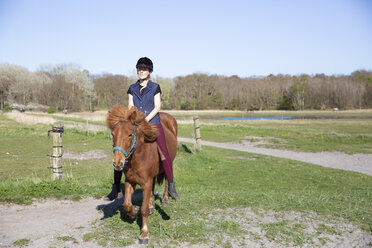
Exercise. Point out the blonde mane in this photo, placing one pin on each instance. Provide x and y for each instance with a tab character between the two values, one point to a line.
120	113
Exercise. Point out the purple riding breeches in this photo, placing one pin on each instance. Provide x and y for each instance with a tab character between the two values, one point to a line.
167	162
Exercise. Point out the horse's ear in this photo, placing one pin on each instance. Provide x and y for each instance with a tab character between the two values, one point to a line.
133	115
136	117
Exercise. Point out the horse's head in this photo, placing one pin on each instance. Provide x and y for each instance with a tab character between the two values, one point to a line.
129	129
124	142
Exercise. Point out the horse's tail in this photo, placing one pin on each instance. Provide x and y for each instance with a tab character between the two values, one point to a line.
160	178
169	122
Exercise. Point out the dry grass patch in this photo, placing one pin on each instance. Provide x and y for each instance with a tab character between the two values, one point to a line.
29	119
91	116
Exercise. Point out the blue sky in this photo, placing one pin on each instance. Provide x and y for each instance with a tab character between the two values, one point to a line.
244	38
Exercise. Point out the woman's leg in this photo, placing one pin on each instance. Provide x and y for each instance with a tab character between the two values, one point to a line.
116	190
167	162
117	176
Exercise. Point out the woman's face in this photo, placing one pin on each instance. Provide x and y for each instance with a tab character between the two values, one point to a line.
143	73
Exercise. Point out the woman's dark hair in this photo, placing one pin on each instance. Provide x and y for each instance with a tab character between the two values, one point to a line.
145	63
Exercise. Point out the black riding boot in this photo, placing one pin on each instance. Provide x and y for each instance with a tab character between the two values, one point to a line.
172	191
115	193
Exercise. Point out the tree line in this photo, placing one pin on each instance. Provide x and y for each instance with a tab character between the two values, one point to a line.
68	86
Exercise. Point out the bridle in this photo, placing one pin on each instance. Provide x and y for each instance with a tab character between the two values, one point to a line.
126	154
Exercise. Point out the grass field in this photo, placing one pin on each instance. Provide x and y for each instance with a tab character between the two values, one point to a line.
208	182
313	135
348	136
205	114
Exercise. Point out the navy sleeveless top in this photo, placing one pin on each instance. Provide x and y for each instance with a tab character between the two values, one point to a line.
144	100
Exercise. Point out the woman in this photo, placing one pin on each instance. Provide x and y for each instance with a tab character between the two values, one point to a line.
145	95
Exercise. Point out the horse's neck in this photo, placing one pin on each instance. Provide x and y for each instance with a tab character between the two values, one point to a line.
141	149
143	145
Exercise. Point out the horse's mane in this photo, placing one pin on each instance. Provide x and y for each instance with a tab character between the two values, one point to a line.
120	113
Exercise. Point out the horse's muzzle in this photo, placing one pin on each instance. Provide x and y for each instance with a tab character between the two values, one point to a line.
120	167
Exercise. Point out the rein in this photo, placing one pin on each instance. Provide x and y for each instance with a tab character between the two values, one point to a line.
126	154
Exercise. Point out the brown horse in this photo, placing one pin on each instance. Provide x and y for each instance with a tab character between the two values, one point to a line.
136	153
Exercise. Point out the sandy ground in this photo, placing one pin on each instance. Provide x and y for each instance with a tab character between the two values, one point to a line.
45	223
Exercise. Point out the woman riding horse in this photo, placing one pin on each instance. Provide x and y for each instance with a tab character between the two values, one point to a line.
145	95
136	153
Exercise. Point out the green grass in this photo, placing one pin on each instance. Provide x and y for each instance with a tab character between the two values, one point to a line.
206	182
206	114
21	242
348	136
24	163
285	232
341	135
67	239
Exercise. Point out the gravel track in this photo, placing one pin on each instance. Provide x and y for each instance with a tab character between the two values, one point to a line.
63	223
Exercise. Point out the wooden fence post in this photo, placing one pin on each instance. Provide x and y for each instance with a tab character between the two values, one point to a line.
57	151
197	133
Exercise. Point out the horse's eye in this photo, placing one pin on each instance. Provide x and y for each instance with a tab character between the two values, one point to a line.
130	135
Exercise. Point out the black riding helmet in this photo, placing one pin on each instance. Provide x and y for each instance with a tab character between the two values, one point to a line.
144	63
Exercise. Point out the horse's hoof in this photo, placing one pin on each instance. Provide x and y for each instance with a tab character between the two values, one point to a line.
164	203
151	211
144	241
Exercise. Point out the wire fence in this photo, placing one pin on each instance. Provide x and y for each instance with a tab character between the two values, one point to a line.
18	165
41	165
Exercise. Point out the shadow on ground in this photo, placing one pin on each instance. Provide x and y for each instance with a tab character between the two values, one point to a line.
112	208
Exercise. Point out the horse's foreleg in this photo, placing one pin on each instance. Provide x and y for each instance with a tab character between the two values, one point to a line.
151	203
165	201
145	211
129	189
152	198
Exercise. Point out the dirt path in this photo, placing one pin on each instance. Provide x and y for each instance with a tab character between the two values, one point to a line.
53	223
356	162
45	223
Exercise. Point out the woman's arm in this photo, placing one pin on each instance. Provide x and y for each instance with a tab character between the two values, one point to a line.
130	101
157	103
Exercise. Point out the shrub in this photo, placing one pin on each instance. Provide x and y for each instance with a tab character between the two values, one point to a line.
51	110
7	109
